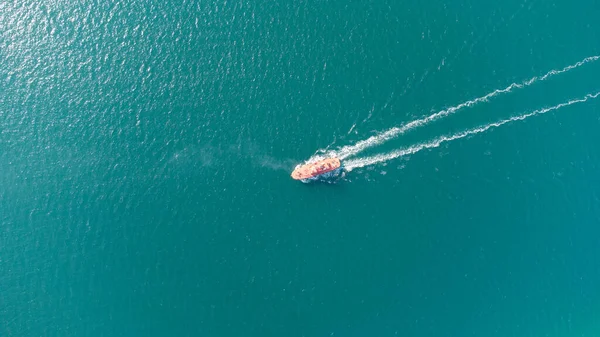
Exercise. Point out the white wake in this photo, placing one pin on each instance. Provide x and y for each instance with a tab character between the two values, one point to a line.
361	162
351	150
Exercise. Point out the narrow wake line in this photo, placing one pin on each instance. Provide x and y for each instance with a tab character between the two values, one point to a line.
351	150
362	162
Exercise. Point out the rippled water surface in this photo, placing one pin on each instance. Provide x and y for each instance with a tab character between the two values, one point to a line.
146	147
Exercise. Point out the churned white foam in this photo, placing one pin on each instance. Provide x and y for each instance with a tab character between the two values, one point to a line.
362	162
351	150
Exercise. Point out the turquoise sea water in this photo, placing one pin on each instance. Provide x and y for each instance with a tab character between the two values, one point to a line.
146	147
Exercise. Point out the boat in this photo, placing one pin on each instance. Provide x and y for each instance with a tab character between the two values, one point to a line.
326	169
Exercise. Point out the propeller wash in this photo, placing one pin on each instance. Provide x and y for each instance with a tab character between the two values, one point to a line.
325	163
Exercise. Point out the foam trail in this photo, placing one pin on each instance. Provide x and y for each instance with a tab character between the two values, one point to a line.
361	162
351	150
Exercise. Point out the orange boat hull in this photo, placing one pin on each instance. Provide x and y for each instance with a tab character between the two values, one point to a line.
313	170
